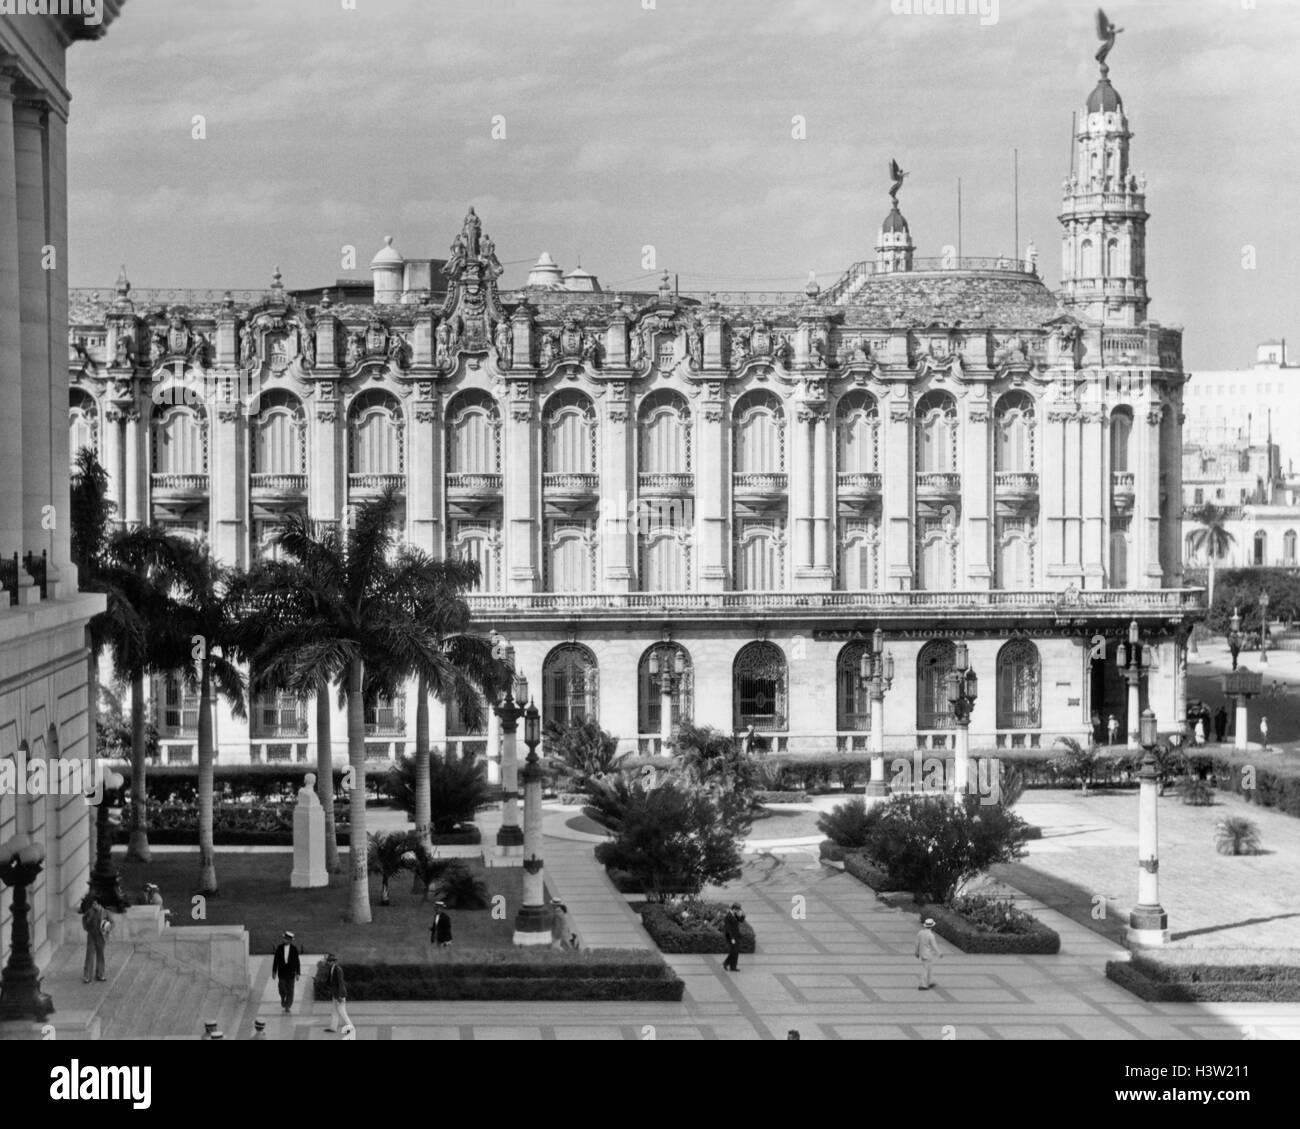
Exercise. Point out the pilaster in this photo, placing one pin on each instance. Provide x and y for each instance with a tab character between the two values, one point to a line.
898	497
976	499
522	487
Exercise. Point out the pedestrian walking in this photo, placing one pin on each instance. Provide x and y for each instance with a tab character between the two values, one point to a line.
338	990
97	923
440	930
286	967
562	936
731	923
927	952
1220	723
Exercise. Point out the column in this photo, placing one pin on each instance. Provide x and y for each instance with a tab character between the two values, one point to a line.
11	419
616	493
326	486
1148	922
665	713
56	221
227	483
1147	495
821	499
1052	497
424	471
713	502
111	454
877	786
961	763
898	491
493	747
522	491
1241	725
977	506
135	483
533	921
1134	706
1096	495
509	837
803	503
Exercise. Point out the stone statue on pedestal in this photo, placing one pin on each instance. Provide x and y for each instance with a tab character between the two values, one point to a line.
308	838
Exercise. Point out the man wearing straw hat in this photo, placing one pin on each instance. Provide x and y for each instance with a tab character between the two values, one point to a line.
927	951
286	967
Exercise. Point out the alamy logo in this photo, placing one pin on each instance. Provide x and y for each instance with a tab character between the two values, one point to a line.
75	1082
92	11
36	776
987	10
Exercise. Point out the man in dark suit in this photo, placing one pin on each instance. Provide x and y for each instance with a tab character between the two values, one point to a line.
286	968
440	930
731	931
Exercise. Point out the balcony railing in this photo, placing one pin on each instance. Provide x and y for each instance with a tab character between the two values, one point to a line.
859	482
386	721
474	483
1015	482
569	482
666	482
1122	481
376	483
759	482
280	483
938	482
180	483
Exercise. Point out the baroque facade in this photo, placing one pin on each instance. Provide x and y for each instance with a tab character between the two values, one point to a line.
44	660
943	449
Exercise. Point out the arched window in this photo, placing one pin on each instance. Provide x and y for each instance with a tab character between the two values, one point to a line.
473	434
664	427
375	435
179	443
852	702
1115	264
477	541
1088	259
758	687
571	561
1019	678
758	426
1288	547
936	554
278	430
760	558
1261	548
859	556
1119	557
570	445
857	430
936	659
1121	427
665	564
1014	562
1014	417
569	685
83	425
650	692
936	432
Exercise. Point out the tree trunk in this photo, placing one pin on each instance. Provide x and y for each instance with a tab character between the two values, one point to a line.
1210	594
207	754
423	799
359	897
325	776
138	844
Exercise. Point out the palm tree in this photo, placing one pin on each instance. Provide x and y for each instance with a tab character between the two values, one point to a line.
342	613
1213	536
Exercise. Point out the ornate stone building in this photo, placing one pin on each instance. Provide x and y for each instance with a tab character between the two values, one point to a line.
44	661
755	482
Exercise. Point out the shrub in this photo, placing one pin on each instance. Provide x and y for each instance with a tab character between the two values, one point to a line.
992	914
691	926
789	773
1080	762
1022	933
849	824
238	783
780	797
579	750
1272	785
709	755
1236	835
1197	792
457	789
460	887
867	872
930	845
831	851
1210	975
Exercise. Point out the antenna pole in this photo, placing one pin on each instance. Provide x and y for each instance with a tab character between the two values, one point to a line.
959	223
1016	245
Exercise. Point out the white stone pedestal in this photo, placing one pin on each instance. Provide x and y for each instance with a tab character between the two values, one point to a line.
309	840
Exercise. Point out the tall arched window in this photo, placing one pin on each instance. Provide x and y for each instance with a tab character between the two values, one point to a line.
936	659
570	443
650	690
375	444
1019	675
1288	547
83	425
473	434
1014	417
664	433
758	425
936	432
1015	557
1119	555
760	558
859	555
278	431
571	560
179	445
1088	259
477	541
759	687
570	685
1261	548
1121	427
665	559
857	430
852	701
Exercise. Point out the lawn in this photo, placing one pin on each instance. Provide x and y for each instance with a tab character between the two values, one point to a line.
255	893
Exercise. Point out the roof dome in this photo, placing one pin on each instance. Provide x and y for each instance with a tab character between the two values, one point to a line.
579	279
1105	99
546	272
388	255
894	223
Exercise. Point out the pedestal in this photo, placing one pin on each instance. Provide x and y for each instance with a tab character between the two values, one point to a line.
308	847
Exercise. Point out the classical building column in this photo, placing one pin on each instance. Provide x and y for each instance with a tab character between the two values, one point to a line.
802	494
821	499
228	482
11	418
1096	492
111	456
327	489
1053	497
56	223
135	483
617	492
976	499
424	471
522	488
898	492
713	503
1147	495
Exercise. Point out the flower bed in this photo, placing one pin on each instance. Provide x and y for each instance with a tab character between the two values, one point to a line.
1210	975
864	870
979	924
514	974
691	927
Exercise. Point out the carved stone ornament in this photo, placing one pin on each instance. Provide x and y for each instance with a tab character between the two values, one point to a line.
326	415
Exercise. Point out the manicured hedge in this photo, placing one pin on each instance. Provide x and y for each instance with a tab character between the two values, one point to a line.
1277	784
702	935
1210	975
953	927
864	870
258	782
780	797
831	851
521	974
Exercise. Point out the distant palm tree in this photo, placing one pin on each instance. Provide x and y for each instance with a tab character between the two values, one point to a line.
1213	536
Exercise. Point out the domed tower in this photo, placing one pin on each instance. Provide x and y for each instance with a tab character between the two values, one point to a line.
1103	247
894	248
386	270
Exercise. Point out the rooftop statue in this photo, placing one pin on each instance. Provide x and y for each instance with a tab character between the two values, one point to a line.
897	175
1106	32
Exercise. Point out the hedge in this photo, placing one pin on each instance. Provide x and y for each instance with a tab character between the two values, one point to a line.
520	974
700	937
864	870
780	797
1210	975
260	781
1277	785
953	927
831	851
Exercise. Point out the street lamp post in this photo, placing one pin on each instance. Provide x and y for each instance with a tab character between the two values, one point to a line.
669	675
876	675
105	879
1263	629
963	689
1241	685
533	921
1133	659
510	837
1234	637
20	984
1148	922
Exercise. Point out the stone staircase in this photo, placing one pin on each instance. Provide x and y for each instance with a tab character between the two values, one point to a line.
157	997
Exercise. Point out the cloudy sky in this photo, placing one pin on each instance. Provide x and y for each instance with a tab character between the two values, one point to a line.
671	125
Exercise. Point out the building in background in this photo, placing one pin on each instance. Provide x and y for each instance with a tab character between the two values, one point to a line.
1247	407
44	661
944	450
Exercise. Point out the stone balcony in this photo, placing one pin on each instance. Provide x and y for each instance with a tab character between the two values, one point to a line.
278	485
374	484
178	487
759	484
665	483
858	484
1015	485
1121	490
938	484
570	484
473	485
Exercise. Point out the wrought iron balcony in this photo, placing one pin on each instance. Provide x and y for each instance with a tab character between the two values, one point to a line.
666	482
760	482
1015	483
279	483
375	483
938	482
190	485
859	483
467	483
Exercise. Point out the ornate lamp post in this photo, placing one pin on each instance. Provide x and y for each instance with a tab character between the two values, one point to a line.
1148	923
669	676
1241	685
510	837
105	879
963	689
1134	660
533	921
876	675
1263	629
20	984
1234	637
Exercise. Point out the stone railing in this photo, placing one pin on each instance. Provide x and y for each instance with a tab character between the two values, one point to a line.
571	482
759	482
376	482
938	482
666	482
1016	481
186	482
859	482
1122	481
280	483
474	483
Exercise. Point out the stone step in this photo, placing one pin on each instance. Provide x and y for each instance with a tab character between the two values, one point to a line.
150	991
162	1020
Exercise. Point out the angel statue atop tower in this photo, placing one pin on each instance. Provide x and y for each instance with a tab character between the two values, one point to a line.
896	174
1106	32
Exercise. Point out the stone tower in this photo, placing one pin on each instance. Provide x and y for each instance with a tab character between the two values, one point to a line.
1103	246
894	248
